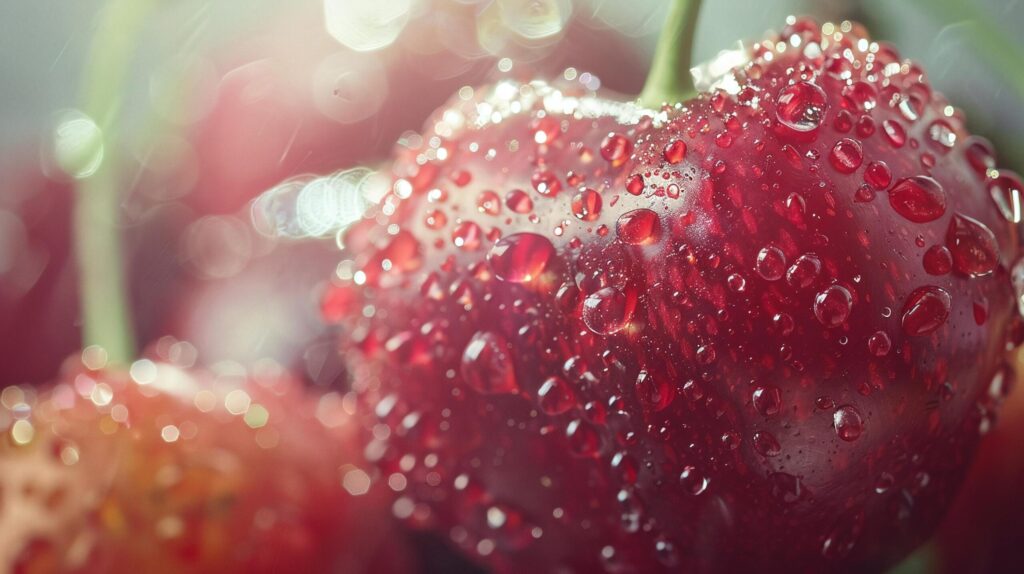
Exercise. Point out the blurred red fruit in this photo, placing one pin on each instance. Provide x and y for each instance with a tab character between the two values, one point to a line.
174	470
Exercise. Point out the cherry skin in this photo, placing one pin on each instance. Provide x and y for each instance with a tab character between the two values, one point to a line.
183	470
742	358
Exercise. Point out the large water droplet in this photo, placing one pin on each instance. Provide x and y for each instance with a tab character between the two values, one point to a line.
675	151
693	480
942	135
1006	192
766	444
555	396
973	246
846	156
803	271
919	199
487	366
654	391
926	310
848	422
488	202
894	132
767	400
521	257
771	263
801	107
608	311
879	344
937	260
586	205
832	306
467	236
638	227
878	175
545	182
635	184
616	149
519	201
583	438
980	155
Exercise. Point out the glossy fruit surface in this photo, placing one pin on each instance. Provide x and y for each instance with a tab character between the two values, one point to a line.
761	330
171	470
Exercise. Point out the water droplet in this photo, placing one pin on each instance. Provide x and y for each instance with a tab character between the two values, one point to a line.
877	175
766	444
846	156
583	438
803	271
436	219
942	135
879	344
519	201
865	126
586	205
461	177
864	194
973	246
767	400
848	422
638	227
665	551
937	260
608	311
488	203
920	199
736	282
783	323
842	537
860	96
616	149
832	306
801	107
675	151
632	510
894	132
486	365
545	129
926	309
771	263
467	236
911	108
635	184
545	182
521	257
980	155
706	355
1006	191
693	480
555	396
884	483
654	391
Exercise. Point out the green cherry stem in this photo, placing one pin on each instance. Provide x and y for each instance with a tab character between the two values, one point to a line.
106	320
669	79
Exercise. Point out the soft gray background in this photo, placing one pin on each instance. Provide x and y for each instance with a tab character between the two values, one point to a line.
43	44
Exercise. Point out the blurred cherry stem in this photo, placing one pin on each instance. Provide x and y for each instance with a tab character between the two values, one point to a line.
106	320
670	79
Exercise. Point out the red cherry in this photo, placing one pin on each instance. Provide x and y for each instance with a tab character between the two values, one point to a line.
760	339
168	470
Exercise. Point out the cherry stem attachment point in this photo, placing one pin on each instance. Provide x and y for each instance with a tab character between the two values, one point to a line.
669	79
